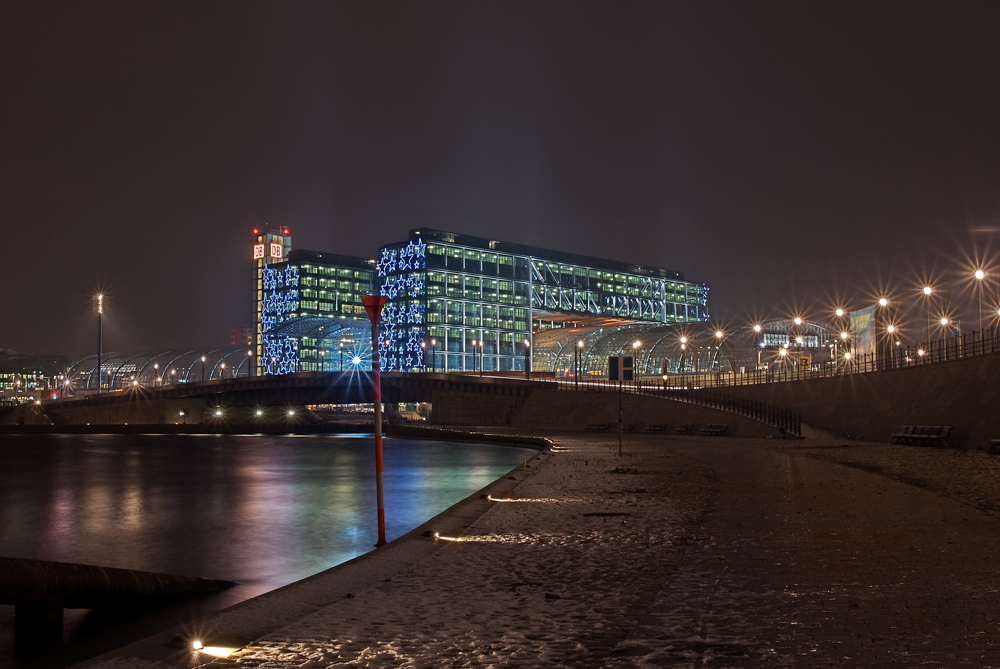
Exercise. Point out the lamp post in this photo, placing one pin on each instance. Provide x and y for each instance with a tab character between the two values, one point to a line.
579	362
719	334
222	373
635	361
681	364
100	338
473	356
880	322
202	369
760	343
322	360
434	355
527	359
980	275
927	291
373	306
423	353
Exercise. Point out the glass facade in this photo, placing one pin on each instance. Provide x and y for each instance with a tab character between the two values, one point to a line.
458	303
310	313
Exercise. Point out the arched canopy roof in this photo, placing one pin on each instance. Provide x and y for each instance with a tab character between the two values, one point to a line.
687	346
323	328
164	366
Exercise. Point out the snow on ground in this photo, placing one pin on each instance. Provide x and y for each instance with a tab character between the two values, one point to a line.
556	578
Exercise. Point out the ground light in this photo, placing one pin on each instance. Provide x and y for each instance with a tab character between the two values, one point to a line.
215	651
438	536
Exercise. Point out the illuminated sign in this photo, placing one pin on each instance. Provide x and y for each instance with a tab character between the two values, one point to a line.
275	250
258	251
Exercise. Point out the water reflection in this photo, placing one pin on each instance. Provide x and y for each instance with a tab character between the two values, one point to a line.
261	510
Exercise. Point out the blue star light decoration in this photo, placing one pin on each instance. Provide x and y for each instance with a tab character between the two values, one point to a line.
279	303
402	322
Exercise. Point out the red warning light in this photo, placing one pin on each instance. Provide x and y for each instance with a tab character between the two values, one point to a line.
285	231
255	231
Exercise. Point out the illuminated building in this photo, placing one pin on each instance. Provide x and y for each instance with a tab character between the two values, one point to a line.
310	314
20	373
457	289
269	247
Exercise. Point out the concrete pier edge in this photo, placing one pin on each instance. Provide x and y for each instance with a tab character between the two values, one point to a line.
242	623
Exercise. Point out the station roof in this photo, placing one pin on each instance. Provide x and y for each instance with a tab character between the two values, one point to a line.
430	234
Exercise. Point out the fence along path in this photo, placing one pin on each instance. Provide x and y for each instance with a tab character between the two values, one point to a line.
965	345
787	421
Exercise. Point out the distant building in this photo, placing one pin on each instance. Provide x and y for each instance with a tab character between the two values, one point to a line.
32	373
241	336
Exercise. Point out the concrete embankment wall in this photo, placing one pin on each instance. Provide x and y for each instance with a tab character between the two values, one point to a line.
146	412
574	410
963	393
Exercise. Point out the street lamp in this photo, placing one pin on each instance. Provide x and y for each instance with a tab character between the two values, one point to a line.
578	357
322	360
927	291
222	373
156	372
433	355
980	275
100	338
635	360
473	356
203	369
423	352
527	359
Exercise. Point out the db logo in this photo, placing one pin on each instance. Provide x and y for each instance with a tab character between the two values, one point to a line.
258	251
275	250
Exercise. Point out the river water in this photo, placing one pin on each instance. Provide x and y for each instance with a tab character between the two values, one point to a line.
261	510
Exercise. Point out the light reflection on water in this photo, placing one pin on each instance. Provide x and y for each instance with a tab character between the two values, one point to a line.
262	510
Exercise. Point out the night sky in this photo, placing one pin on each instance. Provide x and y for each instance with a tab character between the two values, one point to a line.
786	154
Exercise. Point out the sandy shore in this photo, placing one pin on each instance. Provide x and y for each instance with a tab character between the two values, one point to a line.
687	552
554	573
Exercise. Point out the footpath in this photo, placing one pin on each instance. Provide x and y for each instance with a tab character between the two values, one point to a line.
686	552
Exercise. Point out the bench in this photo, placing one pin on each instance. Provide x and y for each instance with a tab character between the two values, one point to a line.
596	427
656	428
684	429
922	434
715	429
628	427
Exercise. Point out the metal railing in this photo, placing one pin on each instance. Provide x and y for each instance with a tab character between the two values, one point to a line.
887	356
787	421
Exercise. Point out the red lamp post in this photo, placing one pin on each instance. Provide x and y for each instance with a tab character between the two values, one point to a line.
373	306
